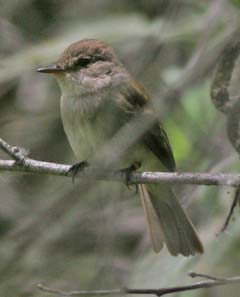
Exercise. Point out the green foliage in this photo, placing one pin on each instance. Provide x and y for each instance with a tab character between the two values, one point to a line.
236	3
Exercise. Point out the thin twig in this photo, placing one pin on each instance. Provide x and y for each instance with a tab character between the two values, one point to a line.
211	282
234	203
194	274
77	293
39	167
17	153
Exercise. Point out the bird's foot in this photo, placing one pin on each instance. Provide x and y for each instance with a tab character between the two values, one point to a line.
127	171
76	168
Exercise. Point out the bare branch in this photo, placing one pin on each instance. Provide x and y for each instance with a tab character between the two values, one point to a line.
234	204
17	153
28	165
77	293
194	178
220	94
194	274
211	282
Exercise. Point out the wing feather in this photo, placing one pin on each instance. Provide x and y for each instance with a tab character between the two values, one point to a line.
155	138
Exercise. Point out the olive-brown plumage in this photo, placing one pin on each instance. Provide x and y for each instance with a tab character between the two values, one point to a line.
99	98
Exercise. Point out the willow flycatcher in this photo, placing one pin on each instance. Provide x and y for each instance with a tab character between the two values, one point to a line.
100	97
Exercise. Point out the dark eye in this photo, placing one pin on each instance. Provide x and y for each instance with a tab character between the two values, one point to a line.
82	62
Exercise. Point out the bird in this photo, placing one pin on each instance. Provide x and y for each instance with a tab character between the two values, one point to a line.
99	98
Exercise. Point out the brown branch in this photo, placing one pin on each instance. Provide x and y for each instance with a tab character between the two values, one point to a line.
28	165
220	94
211	282
222	78
234	204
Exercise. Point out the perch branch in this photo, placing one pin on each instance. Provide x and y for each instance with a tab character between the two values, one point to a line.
22	163
210	282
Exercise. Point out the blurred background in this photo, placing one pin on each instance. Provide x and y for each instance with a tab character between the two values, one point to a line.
93	235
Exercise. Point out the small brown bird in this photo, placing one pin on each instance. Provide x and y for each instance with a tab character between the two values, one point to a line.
100	97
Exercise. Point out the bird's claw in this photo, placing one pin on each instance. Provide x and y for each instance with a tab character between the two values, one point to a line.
127	171
76	168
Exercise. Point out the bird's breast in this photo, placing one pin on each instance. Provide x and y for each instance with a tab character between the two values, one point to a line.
90	125
85	124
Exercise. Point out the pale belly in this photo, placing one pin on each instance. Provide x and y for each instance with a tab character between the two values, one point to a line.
81	134
91	134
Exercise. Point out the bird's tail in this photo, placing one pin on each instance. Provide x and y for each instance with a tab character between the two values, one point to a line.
167	221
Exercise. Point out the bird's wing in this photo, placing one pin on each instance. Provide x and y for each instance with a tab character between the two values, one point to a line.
155	138
157	141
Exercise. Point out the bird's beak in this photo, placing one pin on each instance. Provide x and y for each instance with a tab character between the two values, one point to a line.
51	69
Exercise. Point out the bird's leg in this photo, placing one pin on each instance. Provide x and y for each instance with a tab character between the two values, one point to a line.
76	168
127	171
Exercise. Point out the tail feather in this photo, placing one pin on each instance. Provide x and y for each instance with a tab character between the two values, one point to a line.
173	226
155	231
